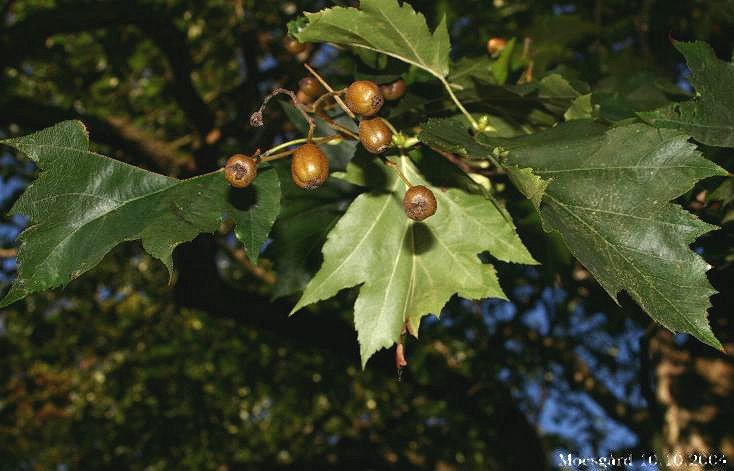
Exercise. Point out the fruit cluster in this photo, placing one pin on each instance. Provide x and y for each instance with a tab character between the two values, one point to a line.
309	165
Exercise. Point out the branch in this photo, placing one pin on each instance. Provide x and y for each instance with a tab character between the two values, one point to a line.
580	374
113	131
240	257
173	43
30	34
8	253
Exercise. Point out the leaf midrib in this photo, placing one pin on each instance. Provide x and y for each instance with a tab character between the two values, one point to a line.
405	40
173	183
685	320
372	227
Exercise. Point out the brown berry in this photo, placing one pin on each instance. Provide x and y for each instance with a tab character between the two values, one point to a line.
240	170
304	97
394	91
309	167
293	46
375	135
496	45
364	97
310	86
419	203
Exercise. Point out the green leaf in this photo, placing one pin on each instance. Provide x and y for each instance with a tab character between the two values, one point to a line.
305	219
452	135
408	269
552	37
621	96
501	67
557	93
608	195
466	68
581	108
528	183
518	104
709	118
723	192
83	204
384	26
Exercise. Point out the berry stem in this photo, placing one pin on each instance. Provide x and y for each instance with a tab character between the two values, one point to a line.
389	125
468	115
273	154
328	87
397	170
336	126
256	119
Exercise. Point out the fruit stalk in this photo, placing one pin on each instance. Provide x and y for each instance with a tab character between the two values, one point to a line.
328	87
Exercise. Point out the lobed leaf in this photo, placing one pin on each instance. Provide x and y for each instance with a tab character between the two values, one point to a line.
84	204
608	194
407	269
305	219
384	26
709	117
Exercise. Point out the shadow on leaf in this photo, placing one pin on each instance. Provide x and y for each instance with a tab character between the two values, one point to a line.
422	240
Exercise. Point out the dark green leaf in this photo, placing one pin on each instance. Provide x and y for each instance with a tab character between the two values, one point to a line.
452	135
608	195
501	67
709	118
84	204
467	68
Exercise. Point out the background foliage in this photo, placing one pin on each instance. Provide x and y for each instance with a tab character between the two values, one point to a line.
119	370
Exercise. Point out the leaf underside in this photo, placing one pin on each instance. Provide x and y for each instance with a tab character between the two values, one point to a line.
408	269
84	204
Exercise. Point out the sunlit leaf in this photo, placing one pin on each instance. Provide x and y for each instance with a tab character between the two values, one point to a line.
407	269
384	26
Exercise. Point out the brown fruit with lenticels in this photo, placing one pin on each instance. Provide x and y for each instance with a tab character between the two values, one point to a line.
394	91
293	46
240	170
419	203
496	45
303	97
364	97
310	86
375	135
309	167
